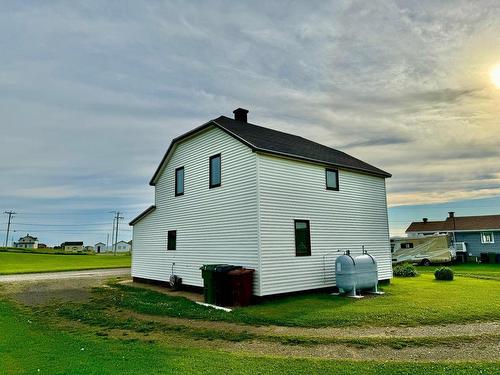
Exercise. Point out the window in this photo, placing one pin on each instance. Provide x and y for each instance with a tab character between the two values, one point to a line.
215	171
332	179
487	237
179	181
407	245
172	240
302	238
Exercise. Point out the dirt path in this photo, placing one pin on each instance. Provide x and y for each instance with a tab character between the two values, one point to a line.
108	272
459	351
448	330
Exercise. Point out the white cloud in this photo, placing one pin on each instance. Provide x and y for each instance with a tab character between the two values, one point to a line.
92	93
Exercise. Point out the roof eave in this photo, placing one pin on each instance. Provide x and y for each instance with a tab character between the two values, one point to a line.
157	173
143	214
337	165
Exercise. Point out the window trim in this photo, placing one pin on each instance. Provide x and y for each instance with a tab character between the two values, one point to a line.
210	185
337	178
487	242
174	232
183	180
308	222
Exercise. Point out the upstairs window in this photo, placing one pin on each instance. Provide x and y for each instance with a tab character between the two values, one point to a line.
215	171
302	238
487	237
172	240
179	181
332	179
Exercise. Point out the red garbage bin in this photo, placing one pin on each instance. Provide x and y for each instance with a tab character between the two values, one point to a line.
241	281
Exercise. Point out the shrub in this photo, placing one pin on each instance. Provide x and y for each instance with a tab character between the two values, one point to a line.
405	270
443	273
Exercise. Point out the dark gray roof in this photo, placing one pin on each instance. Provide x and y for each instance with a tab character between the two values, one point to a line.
262	139
274	141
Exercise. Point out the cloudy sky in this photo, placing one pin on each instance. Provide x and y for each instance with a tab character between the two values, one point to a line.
91	95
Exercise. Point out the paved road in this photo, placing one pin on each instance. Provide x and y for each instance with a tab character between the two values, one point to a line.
66	275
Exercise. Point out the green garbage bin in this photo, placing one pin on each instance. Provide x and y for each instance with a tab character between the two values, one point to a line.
209	287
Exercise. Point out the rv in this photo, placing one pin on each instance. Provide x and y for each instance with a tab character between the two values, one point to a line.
424	250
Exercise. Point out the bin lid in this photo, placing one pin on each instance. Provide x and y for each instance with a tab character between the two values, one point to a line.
211	267
224	268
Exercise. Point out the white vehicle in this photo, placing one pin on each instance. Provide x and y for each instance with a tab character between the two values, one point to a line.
423	250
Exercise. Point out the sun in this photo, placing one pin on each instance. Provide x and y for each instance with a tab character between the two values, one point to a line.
495	76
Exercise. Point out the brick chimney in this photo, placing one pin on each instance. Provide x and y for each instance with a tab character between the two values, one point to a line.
240	114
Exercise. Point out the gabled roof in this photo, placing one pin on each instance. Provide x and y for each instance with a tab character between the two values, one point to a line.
28	237
262	139
457	223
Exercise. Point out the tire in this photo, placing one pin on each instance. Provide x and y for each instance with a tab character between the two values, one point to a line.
425	262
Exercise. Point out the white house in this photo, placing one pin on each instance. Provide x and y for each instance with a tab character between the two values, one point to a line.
27	242
233	192
100	247
122	247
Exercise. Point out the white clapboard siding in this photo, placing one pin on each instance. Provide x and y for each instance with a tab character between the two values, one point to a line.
218	225
355	215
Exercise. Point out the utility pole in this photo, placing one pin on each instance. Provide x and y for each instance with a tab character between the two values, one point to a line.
117	220
107	241
113	233
10	213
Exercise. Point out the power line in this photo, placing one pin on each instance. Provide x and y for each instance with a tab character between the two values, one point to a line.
59	225
10	213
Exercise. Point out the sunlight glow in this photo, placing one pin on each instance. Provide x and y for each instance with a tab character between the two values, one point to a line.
495	76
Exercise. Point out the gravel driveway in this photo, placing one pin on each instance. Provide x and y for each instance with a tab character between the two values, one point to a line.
109	272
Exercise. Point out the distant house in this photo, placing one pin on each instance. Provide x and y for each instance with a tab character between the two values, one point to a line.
27	242
122	247
100	247
472	234
233	192
88	248
72	246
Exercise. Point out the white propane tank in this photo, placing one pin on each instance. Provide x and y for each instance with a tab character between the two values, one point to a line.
366	271
355	274
345	273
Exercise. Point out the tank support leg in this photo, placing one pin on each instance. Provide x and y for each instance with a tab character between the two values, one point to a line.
354	294
375	291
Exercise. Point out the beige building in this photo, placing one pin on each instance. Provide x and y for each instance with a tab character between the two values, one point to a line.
72	246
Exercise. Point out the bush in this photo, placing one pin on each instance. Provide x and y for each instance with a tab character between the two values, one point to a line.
405	270
443	273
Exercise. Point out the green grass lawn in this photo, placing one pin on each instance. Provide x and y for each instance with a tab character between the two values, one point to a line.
480	270
30	345
11	263
408	301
